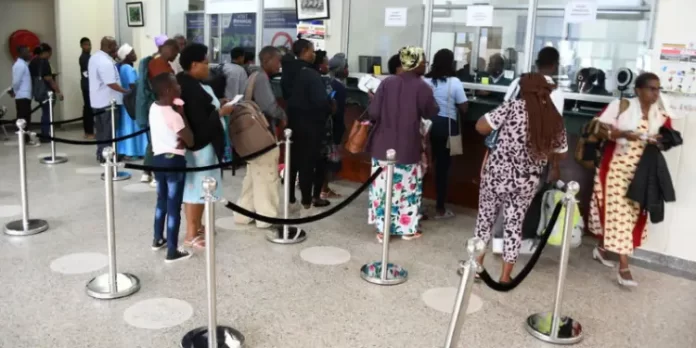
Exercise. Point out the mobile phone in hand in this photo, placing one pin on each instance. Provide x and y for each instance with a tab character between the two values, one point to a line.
332	95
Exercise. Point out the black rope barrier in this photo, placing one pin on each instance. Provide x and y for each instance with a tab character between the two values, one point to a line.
505	287
199	169
93	142
55	123
305	220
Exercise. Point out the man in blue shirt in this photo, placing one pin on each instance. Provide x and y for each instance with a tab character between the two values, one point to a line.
21	85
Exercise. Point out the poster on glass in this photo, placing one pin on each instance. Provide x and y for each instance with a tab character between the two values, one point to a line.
308	10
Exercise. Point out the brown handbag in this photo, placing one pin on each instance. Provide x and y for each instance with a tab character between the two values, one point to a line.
358	136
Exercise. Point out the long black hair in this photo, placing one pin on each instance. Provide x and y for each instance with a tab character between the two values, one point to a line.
442	67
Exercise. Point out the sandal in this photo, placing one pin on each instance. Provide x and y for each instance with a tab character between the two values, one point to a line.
329	194
412	236
198	242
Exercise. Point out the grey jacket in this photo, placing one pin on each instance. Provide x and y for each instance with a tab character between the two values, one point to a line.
263	97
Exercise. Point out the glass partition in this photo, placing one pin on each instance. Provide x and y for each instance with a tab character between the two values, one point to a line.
185	17
371	43
592	52
493	54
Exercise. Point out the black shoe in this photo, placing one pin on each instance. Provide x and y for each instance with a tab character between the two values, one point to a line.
101	160
320	203
179	255
159	244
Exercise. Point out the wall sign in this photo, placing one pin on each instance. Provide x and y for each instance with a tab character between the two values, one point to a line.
581	11
479	16
395	16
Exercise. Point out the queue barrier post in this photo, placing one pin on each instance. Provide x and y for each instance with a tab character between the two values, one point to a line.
212	335
26	226
287	234
382	272
117	175
475	246
553	327
52	159
111	285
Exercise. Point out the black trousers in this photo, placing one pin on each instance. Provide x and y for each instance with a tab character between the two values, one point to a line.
439	137
23	107
307	161
88	120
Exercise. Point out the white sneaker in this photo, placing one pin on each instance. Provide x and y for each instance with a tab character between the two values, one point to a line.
153	183
145	178
498	245
529	246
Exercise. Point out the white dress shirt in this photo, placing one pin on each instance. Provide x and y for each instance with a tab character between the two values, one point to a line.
557	95
21	79
101	73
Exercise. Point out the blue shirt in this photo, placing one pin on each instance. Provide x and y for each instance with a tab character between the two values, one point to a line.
21	79
448	94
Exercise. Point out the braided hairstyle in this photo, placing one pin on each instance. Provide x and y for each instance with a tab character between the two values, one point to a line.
544	123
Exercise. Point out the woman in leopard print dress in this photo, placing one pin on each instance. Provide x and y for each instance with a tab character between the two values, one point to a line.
530	134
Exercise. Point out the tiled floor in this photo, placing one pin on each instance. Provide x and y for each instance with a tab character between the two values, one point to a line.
277	299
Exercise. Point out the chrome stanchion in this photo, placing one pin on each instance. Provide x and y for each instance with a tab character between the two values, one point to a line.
287	234
376	272
475	246
552	327
117	175
211	335
113	284
26	226
52	159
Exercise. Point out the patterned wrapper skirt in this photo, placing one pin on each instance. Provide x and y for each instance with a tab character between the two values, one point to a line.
193	188
406	198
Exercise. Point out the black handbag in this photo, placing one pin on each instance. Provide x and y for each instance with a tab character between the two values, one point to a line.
129	103
39	90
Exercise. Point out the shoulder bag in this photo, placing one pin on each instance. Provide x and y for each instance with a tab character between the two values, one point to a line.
454	143
39	90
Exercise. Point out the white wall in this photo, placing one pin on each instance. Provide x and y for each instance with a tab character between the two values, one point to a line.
676	235
75	19
143	38
33	15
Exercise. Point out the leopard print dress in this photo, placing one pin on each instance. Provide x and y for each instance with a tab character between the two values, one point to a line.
510	176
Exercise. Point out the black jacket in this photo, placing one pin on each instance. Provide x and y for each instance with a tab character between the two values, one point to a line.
291	66
652	185
309	103
201	115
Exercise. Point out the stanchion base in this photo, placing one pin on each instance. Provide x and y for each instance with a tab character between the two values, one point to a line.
226	336
539	326
120	176
126	285
16	228
50	160
371	272
295	235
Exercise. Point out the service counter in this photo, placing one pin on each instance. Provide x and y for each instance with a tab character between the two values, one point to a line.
465	170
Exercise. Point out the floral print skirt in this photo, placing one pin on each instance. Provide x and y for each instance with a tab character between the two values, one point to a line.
406	198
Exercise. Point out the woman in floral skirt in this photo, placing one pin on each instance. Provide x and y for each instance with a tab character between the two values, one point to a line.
399	104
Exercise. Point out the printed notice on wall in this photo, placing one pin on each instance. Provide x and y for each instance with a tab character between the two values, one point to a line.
395	16
230	6
479	16
581	11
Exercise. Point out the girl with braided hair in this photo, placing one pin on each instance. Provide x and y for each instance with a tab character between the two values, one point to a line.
530	135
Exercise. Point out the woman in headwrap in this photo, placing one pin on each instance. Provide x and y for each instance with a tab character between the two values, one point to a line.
133	147
396	110
530	134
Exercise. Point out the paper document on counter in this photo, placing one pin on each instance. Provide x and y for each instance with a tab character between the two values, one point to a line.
368	83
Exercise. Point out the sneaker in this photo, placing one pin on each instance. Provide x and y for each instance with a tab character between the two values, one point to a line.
145	178
159	244
529	246
179	255
153	183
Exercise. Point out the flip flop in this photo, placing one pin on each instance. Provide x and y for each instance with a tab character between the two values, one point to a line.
198	242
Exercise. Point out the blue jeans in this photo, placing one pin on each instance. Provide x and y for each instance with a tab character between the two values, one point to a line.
170	194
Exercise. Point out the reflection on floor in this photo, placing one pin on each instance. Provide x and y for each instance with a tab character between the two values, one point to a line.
273	294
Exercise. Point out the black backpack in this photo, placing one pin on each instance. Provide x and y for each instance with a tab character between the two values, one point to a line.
217	80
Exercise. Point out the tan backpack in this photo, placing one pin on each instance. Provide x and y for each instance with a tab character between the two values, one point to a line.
249	130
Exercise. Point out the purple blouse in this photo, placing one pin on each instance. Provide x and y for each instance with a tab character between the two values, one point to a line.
396	110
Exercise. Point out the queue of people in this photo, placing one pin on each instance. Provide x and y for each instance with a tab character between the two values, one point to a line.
416	112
